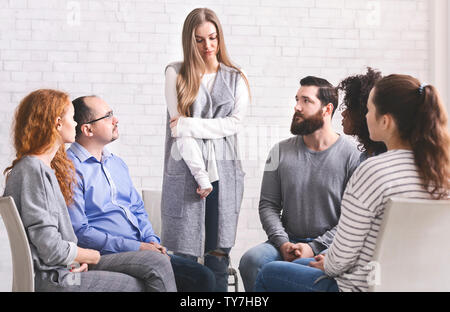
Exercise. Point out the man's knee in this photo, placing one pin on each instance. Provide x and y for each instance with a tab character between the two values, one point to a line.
163	261
157	261
217	261
250	260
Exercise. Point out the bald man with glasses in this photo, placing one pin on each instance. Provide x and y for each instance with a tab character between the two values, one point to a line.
108	214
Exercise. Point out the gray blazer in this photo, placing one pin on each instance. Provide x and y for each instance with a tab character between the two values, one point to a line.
182	210
43	211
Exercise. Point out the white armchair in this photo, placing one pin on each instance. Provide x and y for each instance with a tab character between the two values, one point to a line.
23	271
152	202
413	250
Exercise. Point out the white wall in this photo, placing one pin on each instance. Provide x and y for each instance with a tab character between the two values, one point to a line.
440	48
118	50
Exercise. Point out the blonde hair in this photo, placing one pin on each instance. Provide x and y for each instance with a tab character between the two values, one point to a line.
188	80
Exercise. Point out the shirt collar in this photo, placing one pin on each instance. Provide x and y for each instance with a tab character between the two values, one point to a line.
82	154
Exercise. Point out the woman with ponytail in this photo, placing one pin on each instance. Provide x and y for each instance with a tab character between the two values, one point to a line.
40	180
203	180
411	120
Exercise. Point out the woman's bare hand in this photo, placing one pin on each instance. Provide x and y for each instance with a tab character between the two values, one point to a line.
88	256
82	268
204	192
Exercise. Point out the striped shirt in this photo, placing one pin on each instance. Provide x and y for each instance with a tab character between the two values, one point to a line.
393	173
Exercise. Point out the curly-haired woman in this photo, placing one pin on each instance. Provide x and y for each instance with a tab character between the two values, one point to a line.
354	106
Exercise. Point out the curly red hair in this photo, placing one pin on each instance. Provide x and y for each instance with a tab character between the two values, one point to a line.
34	132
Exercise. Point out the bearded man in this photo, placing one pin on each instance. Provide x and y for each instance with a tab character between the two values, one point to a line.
303	183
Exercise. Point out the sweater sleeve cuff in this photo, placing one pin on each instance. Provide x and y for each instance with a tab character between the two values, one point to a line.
328	269
73	252
204	183
180	129
278	241
317	247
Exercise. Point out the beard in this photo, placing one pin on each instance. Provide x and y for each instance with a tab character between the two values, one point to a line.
307	125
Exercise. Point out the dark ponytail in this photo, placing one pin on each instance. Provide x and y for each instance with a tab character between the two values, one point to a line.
421	120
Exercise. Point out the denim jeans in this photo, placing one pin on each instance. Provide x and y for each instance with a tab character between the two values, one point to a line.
255	258
296	276
191	276
217	264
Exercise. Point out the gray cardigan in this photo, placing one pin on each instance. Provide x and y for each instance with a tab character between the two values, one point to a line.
36	193
182	210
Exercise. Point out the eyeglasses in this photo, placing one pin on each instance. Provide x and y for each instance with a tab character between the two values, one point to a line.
108	115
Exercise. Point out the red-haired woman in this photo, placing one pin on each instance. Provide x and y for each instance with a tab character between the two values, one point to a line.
40	181
410	119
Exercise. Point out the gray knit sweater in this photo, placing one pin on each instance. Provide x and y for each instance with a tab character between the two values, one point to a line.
35	190
301	191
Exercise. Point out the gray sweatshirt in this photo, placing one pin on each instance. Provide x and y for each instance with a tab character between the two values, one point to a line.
36	193
302	189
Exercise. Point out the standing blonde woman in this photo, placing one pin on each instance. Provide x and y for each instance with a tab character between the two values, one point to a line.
203	181
40	180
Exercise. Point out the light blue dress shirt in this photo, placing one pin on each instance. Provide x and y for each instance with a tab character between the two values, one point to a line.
108	213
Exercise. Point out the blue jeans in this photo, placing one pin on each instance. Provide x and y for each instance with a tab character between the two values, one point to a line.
191	276
255	258
296	276
217	264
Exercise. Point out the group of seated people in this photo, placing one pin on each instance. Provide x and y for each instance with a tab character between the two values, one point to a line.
321	205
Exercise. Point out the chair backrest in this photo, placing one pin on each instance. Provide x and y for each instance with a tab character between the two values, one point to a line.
23	272
152	202
412	251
